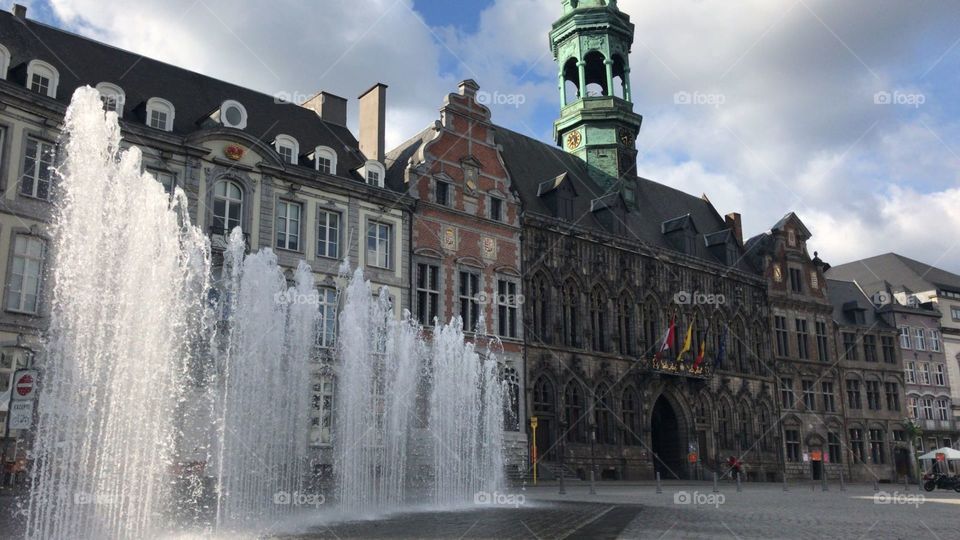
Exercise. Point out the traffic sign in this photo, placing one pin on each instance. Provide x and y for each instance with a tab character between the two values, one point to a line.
21	415
25	384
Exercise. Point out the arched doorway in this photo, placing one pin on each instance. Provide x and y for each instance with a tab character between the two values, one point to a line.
669	440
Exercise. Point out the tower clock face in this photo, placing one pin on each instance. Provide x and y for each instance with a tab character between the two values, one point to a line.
626	137
574	138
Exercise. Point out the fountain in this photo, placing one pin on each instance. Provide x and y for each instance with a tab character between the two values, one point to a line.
170	402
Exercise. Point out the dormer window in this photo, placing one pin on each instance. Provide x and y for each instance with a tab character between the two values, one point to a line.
288	148
374	173
112	97
4	61
160	114
42	78
792	237
232	114
325	160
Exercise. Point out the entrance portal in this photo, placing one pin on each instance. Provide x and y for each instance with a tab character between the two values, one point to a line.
669	441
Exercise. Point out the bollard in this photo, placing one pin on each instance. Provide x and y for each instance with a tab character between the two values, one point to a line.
843	487
739	487
823	481
785	482
876	486
716	489
906	485
659	487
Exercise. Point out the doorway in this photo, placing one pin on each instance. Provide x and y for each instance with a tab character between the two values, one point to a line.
669	445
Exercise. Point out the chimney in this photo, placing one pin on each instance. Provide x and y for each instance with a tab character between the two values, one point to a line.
373	114
20	11
734	222
329	108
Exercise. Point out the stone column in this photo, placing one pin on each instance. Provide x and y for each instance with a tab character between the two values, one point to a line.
563	90
626	85
609	65
582	68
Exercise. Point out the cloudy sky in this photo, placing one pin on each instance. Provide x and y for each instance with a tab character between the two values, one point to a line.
790	119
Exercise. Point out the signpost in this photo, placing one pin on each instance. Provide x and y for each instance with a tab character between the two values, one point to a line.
21	415
24	384
20	407
533	455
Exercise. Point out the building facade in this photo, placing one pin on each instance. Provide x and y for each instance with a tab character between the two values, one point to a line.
871	370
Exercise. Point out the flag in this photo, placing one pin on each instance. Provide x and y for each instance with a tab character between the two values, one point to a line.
721	350
687	343
703	348
667	340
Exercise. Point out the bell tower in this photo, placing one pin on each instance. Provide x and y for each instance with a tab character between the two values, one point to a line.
591	44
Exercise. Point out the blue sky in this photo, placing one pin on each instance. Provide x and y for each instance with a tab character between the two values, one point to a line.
798	128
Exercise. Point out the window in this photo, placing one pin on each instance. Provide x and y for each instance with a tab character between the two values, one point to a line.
227	206
443	193
573	399
511	400
833	448
822	344
4	61
571	315
598	314
803	339
160	114
541	310
603	417
809	395
796	280
919	340
37	169
876	446
507	299
893	396
955	313
873	395
327	323
325	160
924	377
927	405
233	114
889	354
630	417
166	178
939	376
42	78
933	336
905	337
112	97
328	234
870	348
322	414
379	238
853	394
792	437
850	346
288	225
829	401
788	400
26	273
856	445
469	299
943	409
288	148
373	173
910	372
496	209
783	337
814	280
428	293
625	331
913	408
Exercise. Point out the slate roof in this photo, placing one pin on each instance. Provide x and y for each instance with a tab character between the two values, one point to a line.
82	61
875	273
847	295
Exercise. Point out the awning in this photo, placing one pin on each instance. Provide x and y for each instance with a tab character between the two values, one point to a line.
950	454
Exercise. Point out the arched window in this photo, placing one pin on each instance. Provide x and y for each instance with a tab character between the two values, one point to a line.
723	425
227	206
42	78
745	431
625	322
373	173
325	160
112	97
651	326
765	435
596	75
233	114
571	310
541	309
630	413
603	416
288	148
573	403
160	114
4	61
598	313
511	400
571	82
738	347
543	398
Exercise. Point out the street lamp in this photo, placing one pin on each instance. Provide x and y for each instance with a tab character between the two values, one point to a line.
563	453
593	465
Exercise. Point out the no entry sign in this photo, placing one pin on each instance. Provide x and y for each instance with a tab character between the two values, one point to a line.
25	384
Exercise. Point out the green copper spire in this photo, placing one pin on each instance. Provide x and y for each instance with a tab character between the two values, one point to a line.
591	44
